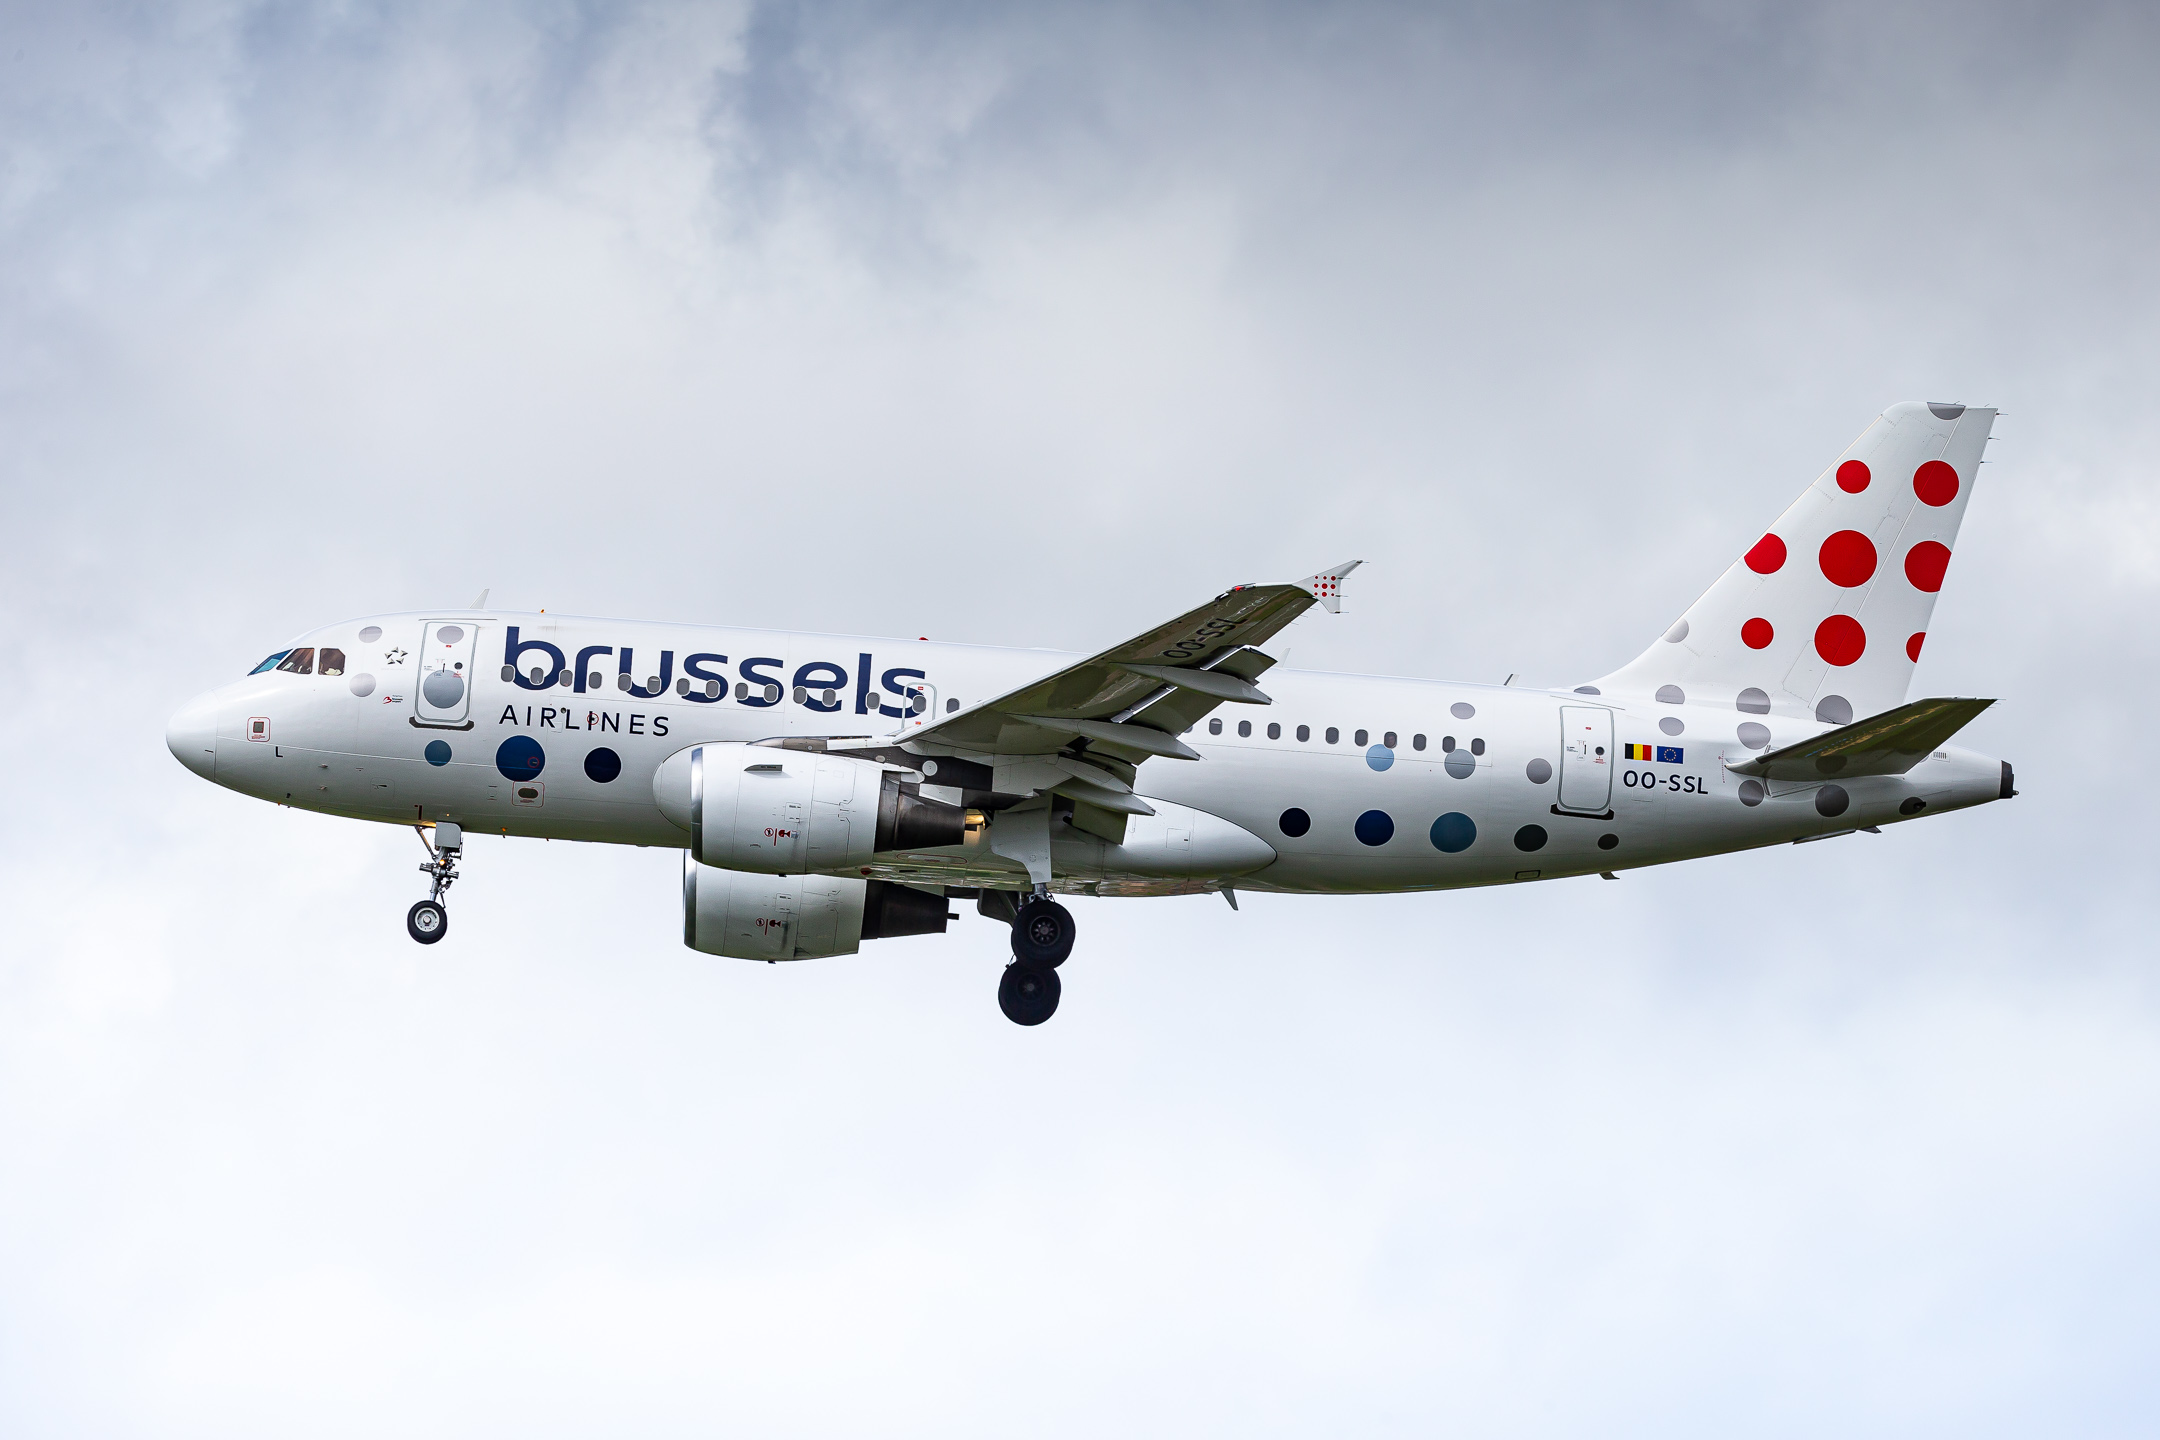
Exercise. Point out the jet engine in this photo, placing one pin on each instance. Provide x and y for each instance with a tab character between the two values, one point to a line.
798	917
794	812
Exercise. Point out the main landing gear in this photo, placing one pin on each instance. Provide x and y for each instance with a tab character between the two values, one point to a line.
1042	936
428	921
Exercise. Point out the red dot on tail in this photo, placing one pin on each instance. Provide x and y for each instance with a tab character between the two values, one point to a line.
1853	477
1925	563
1935	483
1912	646
1768	556
1757	634
1848	559
1840	640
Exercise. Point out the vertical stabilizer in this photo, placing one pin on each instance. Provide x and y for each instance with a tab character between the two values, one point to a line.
1824	616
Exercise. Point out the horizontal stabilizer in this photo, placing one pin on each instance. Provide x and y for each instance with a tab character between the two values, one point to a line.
1887	744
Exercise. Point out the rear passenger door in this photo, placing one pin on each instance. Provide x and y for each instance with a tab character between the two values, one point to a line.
1586	759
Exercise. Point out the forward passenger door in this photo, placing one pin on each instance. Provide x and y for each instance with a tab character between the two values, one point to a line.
442	681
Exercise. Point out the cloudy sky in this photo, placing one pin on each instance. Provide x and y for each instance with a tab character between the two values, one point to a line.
1033	325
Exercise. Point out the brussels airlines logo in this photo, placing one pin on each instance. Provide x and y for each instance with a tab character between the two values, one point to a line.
759	681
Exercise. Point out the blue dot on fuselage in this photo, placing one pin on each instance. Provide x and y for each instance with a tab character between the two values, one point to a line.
437	752
1379	757
1455	832
520	758
1375	827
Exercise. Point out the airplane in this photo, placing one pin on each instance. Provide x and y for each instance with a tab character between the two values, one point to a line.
830	790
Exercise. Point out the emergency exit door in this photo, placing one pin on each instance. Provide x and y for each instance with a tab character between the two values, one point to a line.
442	683
1586	758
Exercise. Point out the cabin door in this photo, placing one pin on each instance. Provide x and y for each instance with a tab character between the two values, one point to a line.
1586	758
442	686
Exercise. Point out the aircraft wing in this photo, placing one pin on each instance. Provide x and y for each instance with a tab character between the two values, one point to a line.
1130	703
1887	744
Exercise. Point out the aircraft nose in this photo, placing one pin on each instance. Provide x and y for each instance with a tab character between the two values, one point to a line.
191	735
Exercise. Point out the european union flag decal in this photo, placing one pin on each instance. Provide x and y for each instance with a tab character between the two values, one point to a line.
1670	754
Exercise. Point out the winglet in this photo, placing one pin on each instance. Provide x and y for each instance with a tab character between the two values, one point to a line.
1326	587
479	604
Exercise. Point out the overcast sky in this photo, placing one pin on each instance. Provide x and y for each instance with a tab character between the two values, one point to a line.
1035	325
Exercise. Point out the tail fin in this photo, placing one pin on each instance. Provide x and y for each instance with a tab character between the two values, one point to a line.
1824	616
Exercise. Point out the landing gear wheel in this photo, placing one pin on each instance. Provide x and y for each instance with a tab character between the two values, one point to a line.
1028	994
428	922
1042	933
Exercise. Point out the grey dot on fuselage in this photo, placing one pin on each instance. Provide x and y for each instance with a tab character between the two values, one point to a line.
1751	792
442	689
1678	632
1460	764
1539	771
1945	412
1671	725
1754	736
370	634
1588	690
1831	801
361	684
1671	695
1462	710
1834	710
1752	701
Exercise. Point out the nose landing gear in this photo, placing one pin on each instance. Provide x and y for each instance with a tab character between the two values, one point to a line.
428	921
1042	938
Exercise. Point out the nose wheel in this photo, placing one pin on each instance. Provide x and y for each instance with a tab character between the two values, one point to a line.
429	920
1042	937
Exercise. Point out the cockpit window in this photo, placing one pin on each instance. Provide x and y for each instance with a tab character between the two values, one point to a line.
298	662
331	662
271	663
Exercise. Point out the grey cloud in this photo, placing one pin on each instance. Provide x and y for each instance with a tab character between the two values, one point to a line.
844	317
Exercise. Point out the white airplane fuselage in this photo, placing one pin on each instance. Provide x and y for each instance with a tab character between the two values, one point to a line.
829	790
1478	787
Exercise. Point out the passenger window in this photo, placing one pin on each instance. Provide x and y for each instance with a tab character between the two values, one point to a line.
271	663
1274	732
1477	747
1333	735
1388	739
299	662
1447	744
1417	742
1214	727
332	663
1361	737
1244	729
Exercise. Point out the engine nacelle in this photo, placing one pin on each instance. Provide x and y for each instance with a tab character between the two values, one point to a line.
793	812
798	917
